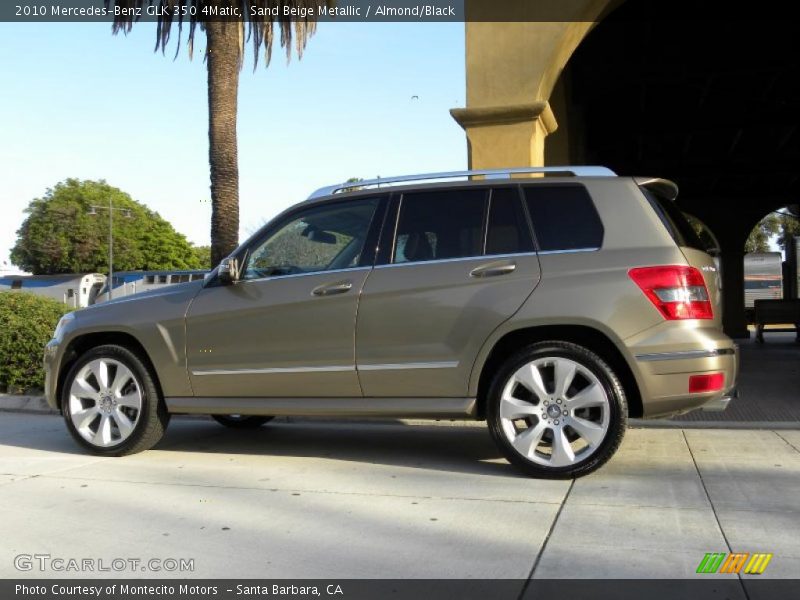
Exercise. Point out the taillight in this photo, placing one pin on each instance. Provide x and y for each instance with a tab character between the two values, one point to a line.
678	292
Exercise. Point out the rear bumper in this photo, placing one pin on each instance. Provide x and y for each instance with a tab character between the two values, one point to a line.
720	404
663	373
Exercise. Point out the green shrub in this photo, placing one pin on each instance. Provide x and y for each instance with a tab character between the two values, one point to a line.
27	322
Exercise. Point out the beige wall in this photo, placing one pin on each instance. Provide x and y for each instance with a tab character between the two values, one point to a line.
512	70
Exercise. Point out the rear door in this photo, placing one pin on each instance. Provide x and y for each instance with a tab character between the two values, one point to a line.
454	264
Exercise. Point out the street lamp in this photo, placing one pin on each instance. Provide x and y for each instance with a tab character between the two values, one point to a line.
127	214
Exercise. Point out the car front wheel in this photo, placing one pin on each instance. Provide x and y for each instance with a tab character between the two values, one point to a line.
111	402
557	410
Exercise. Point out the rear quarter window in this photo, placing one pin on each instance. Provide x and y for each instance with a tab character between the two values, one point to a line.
675	221
564	217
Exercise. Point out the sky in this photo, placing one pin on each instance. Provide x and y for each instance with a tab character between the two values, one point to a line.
80	102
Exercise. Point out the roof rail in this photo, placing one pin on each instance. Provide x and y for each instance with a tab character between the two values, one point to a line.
488	173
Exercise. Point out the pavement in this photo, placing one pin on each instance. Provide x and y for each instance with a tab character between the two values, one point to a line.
769	385
306	499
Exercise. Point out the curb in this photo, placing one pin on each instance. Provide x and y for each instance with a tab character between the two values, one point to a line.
25	404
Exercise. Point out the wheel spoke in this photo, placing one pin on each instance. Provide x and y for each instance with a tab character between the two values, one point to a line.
121	379
564	374
562	454
81	389
83	418
102	436
530	377
100	370
132	400
514	408
124	424
591	432
527	441
593	395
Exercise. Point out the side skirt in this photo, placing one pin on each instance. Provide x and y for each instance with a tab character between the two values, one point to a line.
327	407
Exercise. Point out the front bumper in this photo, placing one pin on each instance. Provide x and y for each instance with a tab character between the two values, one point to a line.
52	359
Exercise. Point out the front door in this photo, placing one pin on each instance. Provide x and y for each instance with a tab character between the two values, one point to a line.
286	328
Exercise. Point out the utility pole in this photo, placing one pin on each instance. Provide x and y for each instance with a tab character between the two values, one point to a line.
110	208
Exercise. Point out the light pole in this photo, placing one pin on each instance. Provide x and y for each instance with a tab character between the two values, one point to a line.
110	208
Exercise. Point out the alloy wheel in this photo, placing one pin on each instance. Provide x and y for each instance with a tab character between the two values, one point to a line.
105	402
554	411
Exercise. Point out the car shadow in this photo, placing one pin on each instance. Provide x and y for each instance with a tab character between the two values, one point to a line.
452	448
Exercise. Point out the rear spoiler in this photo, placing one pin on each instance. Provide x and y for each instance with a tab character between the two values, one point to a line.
663	188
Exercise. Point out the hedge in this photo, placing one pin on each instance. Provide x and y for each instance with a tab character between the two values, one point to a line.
27	322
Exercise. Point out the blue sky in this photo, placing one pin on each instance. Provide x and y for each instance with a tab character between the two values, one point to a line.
79	102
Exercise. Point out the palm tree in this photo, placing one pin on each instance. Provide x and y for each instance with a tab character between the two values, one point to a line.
226	37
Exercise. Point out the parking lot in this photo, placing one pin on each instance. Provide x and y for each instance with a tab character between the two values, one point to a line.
316	499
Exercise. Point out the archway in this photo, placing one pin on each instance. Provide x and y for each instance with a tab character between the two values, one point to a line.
714	106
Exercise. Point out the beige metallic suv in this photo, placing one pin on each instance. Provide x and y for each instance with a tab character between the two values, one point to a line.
552	302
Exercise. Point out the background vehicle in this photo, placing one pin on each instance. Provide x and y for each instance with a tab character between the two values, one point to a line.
763	278
553	307
134	282
77	290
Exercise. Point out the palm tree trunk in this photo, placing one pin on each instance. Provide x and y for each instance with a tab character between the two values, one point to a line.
223	85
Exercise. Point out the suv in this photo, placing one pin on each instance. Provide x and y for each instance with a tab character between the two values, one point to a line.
554	306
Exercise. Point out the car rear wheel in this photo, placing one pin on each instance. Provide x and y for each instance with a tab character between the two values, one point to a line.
241	421
111	404
557	410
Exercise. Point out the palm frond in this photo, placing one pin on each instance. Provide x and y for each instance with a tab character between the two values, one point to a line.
256	21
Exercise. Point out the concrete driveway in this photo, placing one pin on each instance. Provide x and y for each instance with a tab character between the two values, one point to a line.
351	500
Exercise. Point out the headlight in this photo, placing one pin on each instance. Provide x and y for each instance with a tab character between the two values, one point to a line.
61	324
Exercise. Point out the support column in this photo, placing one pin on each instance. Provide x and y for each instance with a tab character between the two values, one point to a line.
732	265
506	136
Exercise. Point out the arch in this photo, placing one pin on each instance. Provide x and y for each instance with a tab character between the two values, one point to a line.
648	90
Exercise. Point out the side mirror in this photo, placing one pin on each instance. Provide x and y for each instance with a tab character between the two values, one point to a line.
228	271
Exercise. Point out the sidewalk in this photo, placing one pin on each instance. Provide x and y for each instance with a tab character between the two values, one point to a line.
325	500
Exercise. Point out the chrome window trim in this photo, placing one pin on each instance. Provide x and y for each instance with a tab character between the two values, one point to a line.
684	355
488	258
569	250
345	270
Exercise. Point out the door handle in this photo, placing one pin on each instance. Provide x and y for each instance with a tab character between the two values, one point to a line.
330	289
493	270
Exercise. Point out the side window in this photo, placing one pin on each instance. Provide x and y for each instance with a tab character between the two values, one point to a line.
319	239
564	217
675	221
508	231
437	225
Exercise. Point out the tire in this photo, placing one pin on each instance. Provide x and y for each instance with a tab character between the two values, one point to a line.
241	421
123	414
555	433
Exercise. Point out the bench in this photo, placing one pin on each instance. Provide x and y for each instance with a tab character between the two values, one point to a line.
776	312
